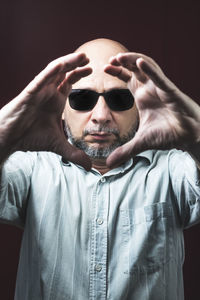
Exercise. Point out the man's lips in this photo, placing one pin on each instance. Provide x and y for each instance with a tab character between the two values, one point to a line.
99	136
100	133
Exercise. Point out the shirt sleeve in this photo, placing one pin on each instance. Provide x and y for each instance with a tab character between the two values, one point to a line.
14	188
185	179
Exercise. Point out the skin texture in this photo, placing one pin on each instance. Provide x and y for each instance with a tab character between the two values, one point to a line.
33	120
167	117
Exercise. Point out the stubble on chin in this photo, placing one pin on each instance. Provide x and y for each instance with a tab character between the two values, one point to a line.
101	151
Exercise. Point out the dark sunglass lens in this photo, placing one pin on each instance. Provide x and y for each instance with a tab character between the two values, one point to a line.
120	100
82	100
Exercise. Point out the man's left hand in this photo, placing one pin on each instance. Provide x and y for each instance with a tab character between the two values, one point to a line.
167	117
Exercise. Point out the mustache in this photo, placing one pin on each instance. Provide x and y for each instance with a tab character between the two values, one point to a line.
99	129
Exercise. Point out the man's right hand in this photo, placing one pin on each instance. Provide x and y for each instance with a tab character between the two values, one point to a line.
33	120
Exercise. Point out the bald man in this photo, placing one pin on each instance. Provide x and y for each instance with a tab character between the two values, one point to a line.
90	170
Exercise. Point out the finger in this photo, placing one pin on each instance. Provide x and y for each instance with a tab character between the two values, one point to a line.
52	139
70	153
118	157
62	75
76	156
133	57
155	74
125	152
114	61
139	74
77	74
144	68
128	61
73	77
118	71
69	62
60	65
59	78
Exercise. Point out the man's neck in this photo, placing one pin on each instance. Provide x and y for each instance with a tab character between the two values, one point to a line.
100	165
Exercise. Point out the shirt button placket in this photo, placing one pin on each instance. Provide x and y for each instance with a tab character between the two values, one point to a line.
98	267
99	221
98	271
103	179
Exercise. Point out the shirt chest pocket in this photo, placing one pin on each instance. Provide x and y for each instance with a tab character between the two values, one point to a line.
147	238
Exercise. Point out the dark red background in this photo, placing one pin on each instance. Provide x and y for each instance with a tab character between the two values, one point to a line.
32	33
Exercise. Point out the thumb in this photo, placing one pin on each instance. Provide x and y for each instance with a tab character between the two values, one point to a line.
125	152
73	154
69	152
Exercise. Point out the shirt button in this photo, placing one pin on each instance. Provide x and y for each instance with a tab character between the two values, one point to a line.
98	268
103	179
99	221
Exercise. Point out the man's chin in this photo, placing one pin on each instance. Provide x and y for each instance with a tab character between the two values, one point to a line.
99	145
97	150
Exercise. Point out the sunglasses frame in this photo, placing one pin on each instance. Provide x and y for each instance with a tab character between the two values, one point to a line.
106	96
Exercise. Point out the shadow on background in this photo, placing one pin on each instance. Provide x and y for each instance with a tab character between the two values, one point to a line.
32	33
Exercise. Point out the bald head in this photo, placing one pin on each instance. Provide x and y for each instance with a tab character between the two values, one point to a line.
99	52
100	44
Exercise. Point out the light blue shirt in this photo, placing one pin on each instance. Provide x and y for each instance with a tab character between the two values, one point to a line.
86	236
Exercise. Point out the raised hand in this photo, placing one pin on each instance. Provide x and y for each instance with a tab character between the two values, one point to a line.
167	117
33	120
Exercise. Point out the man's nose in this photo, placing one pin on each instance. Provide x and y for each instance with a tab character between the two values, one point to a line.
101	113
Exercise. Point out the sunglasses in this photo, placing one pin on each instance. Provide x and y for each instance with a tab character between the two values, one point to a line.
116	99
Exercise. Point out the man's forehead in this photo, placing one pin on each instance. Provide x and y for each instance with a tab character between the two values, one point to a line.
99	52
100	81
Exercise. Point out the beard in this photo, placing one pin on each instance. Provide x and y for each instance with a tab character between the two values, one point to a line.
100	152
